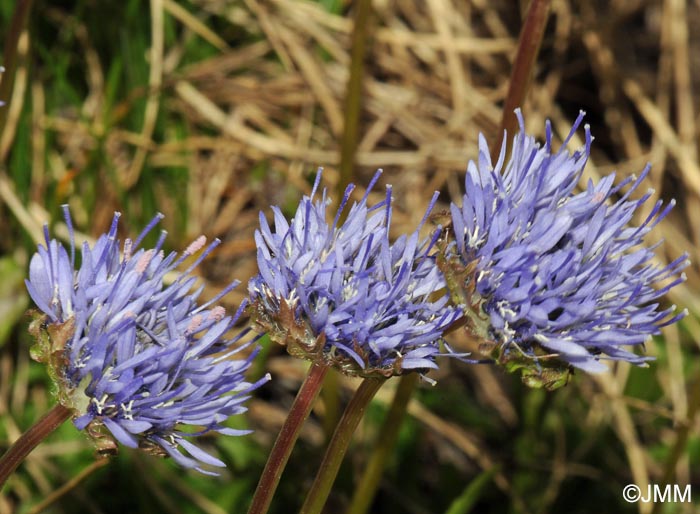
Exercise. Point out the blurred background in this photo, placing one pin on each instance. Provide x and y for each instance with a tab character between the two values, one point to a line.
212	110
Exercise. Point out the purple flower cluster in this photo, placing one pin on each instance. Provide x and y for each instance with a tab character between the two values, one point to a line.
559	273
541	274
344	294
134	356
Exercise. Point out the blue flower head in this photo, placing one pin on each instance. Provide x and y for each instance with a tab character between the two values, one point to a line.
137	360
342	294
552	275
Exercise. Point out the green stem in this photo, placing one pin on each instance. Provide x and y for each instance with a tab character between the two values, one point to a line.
30	439
335	452
367	488
279	455
330	395
528	47
353	95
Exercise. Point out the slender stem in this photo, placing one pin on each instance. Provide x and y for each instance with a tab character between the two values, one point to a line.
330	394
367	488
279	455
335	452
30	439
353	95
528	47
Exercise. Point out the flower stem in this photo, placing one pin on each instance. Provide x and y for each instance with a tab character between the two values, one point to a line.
279	455
528	47
30	439
330	395
367	488
335	452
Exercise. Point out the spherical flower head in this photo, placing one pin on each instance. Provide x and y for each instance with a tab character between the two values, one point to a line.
557	276
137	361
341	293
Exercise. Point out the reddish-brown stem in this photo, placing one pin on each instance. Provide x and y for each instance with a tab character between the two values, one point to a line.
30	439
523	66
339	444
279	455
369	482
